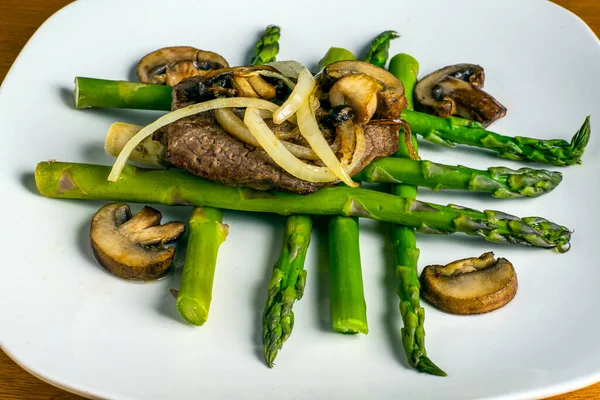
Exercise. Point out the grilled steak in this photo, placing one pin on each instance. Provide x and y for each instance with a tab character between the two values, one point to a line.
201	146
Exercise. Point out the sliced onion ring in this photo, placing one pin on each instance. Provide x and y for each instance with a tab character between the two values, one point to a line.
299	96
360	148
236	127
288	82
177	115
347	134
277	151
309	128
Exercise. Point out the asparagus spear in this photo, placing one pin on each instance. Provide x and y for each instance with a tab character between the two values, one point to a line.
404	240
379	47
500	182
286	285
289	277
335	54
177	187
449	131
443	131
207	233
347	295
267	48
348	306
91	92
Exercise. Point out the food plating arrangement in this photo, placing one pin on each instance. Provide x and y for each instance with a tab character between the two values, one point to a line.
274	137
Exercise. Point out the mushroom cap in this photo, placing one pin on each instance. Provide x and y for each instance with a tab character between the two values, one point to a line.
153	67
391	99
456	90
471	285
133	247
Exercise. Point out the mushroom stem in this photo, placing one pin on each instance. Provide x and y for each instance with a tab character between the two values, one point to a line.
207	233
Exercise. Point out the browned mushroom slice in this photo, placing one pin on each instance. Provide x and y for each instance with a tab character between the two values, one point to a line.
263	89
358	91
456	90
390	98
171	65
133	247
208	60
248	82
179	71
471	285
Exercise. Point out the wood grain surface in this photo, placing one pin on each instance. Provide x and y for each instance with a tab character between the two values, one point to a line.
18	21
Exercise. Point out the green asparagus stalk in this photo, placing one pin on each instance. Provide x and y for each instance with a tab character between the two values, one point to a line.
335	54
286	285
267	48
406	68
444	131
500	182
379	48
91	92
348	306
177	187
406	252
347	295
207	233
451	131
289	277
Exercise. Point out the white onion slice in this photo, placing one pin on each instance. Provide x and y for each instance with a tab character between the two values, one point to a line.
360	148
288	82
177	115
236	127
299	96
282	156
309	128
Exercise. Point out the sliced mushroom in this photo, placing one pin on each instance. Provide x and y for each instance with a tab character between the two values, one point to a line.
358	91
390	98
264	89
133	247
243	87
160	66
471	285
228	82
456	90
179	71
249	83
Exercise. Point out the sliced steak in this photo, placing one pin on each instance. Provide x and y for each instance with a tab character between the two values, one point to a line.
201	146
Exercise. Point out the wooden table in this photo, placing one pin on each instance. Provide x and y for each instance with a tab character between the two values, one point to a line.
18	21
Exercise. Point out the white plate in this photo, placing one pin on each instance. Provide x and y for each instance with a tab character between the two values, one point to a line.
71	323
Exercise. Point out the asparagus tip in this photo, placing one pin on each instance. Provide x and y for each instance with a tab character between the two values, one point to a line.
581	138
270	355
427	366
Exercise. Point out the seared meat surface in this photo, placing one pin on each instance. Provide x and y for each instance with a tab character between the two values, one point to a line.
201	146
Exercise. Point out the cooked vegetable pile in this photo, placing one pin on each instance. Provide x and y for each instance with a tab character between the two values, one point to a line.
274	137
